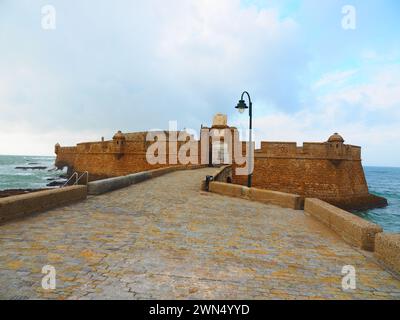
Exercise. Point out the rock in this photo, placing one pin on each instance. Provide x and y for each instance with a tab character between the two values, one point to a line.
31	168
360	203
55	184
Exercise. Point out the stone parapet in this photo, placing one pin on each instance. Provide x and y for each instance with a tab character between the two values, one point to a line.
22	205
106	185
285	200
387	250
309	150
281	199
110	184
351	228
223	174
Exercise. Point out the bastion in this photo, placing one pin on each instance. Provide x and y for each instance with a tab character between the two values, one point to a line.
330	170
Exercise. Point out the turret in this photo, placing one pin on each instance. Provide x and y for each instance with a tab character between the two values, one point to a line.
57	148
119	142
336	146
336	138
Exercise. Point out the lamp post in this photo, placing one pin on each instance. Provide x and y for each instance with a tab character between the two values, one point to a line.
242	106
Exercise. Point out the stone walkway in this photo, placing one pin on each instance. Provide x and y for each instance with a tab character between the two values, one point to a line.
165	239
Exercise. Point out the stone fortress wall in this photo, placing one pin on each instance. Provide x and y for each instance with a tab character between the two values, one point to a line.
331	171
123	155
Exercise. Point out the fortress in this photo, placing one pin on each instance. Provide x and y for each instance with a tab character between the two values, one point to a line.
331	170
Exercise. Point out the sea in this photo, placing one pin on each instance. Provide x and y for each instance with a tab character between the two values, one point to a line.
13	178
382	181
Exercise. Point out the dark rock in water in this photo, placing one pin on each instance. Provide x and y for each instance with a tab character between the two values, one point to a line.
55	184
32	163
360	203
15	192
31	168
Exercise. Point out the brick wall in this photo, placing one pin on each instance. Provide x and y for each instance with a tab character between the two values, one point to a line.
316	170
330	171
107	159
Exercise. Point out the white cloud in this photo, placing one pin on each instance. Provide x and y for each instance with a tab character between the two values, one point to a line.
381	91
136	65
335	78
366	114
23	139
311	126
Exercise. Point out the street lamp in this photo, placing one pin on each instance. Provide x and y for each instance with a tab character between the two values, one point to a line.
242	106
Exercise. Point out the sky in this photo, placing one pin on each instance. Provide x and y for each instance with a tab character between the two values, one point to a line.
132	65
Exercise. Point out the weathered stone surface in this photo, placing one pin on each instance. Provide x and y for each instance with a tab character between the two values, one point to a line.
227	189
107	185
353	229
165	239
223	174
220	120
284	200
138	177
310	171
14	192
387	249
111	184
24	204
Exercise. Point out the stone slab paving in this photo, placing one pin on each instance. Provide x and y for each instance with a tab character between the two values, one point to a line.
165	239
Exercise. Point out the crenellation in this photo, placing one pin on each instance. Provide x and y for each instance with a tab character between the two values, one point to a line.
331	170
309	150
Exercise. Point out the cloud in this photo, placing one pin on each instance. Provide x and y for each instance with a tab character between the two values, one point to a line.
334	78
137	65
316	126
380	92
25	139
365	110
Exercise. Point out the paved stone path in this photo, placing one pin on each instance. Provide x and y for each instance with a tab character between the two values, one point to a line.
165	239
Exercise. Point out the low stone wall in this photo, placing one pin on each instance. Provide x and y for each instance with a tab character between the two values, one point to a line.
286	200
387	249
106	185
223	175
281	199
351	228
22	205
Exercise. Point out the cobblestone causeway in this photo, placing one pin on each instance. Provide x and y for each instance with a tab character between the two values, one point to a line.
165	239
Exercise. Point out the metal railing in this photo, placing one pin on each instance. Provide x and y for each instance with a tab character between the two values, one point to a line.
75	174
77	178
86	173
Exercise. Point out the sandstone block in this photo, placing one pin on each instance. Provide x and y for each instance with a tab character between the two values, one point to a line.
387	249
21	205
351	228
